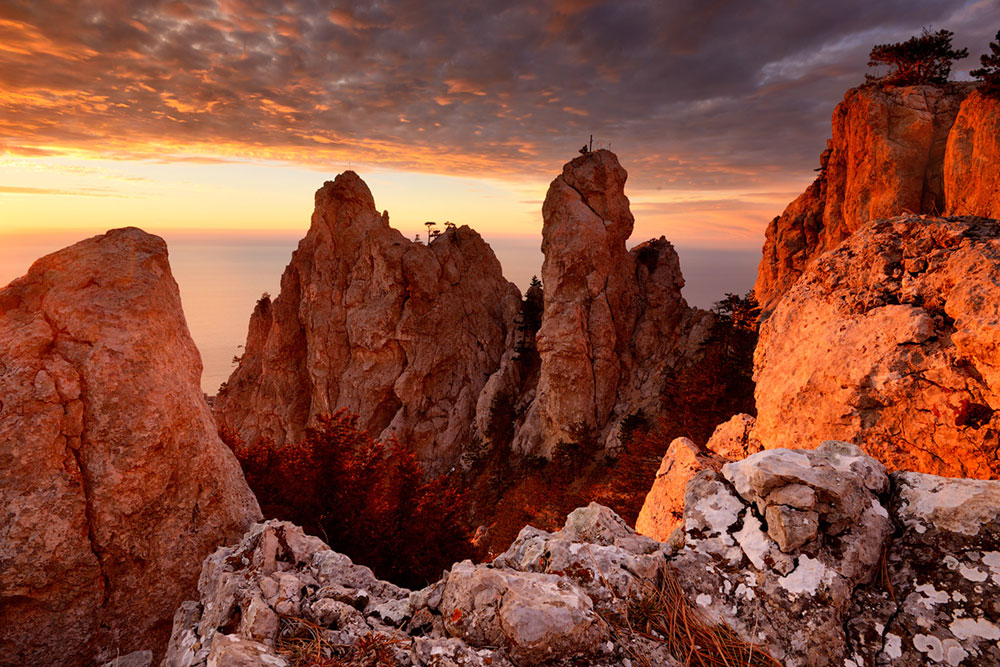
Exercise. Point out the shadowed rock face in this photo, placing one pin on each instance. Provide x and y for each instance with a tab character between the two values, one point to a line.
614	325
402	333
890	341
113	483
886	157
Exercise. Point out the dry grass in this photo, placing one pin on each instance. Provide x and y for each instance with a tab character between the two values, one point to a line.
663	614
302	644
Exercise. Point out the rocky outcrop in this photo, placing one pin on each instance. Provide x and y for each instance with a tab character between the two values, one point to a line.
938	600
113	483
663	509
536	604
816	556
614	326
972	159
401	333
828	561
886	157
890	341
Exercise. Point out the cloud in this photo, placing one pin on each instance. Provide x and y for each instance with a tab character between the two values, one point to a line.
691	95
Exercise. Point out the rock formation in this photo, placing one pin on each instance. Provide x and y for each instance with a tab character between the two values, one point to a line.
401	333
886	157
890	342
524	609
972	159
614	325
818	556
663	510
113	483
429	343
794	548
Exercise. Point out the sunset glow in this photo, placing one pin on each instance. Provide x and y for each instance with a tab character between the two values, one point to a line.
228	114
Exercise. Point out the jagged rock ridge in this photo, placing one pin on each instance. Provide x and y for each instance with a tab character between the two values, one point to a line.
113	482
430	344
913	149
401	333
819	555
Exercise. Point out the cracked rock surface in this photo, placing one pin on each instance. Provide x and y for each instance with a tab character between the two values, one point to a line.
113	482
942	602
738	564
890	342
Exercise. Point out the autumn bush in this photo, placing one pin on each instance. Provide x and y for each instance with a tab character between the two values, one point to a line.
366	498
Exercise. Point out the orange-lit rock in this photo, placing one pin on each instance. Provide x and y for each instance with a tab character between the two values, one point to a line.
614	325
890	342
972	161
402	333
113	483
663	510
886	157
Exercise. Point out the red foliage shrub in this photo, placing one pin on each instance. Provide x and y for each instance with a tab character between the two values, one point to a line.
365	498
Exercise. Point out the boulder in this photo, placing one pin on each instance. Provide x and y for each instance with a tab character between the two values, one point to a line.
886	157
114	483
402	333
972	158
775	545
663	510
890	341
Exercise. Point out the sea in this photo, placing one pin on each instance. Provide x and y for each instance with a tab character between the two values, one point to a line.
221	275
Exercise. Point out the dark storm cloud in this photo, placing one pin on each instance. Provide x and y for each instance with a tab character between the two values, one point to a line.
707	94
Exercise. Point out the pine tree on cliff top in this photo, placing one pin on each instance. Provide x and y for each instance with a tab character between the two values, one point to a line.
989	73
924	59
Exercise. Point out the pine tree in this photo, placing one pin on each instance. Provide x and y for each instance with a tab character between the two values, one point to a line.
925	59
989	73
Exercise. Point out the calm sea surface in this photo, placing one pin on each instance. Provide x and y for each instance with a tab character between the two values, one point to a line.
222	274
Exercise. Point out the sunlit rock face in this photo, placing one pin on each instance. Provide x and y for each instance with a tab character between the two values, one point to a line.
113	483
886	157
663	509
972	160
890	341
402	333
614	325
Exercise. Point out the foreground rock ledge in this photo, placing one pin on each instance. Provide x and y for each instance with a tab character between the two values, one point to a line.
785	546
113	483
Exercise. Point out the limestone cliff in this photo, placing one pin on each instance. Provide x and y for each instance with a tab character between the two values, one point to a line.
614	325
429	342
972	159
113	483
886	157
401	333
890	342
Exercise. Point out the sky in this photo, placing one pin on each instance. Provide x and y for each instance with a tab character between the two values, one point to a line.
189	117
